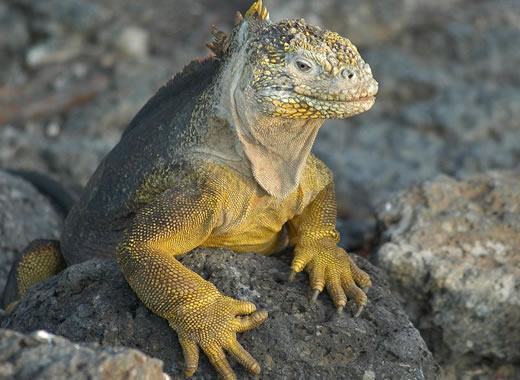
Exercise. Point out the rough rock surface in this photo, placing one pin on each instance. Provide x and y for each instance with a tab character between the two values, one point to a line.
25	215
92	302
43	356
453	257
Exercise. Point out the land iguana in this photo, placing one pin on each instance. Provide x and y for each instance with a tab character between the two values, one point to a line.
220	157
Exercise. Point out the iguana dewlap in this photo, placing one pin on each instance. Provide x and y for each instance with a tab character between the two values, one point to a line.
220	157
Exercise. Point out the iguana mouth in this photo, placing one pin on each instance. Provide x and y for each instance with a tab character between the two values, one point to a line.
368	98
284	94
352	95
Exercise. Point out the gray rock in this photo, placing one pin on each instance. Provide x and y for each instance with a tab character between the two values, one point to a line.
470	115
92	302
451	252
86	153
366	22
109	113
80	15
367	165
14	34
132	42
43	356
54	51
14	39
25	215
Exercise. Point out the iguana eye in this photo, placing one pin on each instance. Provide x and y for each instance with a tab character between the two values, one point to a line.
304	67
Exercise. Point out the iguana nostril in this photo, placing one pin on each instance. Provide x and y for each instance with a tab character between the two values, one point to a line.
348	74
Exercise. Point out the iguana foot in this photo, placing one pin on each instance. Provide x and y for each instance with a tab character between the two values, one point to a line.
40	260
334	269
213	328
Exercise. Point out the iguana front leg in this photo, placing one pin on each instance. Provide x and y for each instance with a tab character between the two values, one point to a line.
315	237
175	223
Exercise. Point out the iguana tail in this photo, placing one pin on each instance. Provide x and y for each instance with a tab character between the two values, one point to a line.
48	187
41	259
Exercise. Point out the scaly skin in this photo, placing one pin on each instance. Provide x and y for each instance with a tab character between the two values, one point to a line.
231	211
220	157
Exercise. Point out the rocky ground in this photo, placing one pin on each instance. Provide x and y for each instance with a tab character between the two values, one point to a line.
92	302
452	251
44	356
74	72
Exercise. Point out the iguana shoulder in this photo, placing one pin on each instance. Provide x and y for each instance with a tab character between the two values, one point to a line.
156	141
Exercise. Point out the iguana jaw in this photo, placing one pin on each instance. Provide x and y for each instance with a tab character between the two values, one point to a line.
294	105
318	94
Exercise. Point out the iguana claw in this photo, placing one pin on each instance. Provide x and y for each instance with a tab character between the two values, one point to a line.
359	310
314	296
334	270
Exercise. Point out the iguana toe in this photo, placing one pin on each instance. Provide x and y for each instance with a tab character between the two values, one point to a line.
241	355
191	356
337	272
213	328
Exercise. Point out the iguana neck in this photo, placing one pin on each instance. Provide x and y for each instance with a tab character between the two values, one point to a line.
271	149
276	149
276	167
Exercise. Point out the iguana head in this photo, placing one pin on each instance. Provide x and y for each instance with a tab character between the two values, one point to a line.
278	83
297	70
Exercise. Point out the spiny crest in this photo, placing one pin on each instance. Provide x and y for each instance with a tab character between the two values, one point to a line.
221	41
258	11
